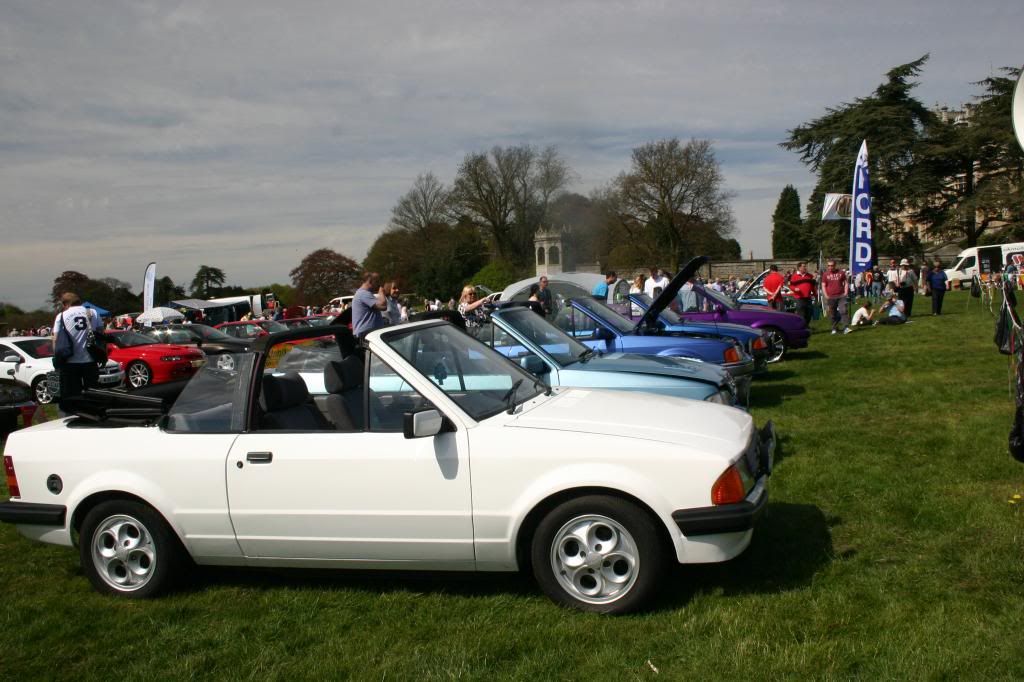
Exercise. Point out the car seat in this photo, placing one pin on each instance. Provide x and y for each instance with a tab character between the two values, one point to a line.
344	383
286	404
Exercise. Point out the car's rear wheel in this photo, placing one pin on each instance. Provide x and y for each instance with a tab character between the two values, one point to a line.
139	374
128	549
599	553
41	390
777	342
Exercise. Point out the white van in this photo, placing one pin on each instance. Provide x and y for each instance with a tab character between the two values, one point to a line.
340	302
984	260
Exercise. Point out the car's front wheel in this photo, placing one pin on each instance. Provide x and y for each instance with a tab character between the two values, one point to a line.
139	374
41	390
128	549
599	553
226	362
777	342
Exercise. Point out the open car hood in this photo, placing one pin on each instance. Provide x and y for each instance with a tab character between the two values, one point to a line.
670	292
749	286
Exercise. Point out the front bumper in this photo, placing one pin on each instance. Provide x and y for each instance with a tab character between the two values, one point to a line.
741	516
32	514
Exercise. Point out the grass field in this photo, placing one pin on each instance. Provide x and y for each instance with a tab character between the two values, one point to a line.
890	549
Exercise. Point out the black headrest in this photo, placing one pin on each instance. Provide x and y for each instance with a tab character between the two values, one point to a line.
341	376
283	391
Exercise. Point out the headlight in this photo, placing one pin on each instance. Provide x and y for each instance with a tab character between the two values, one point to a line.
759	343
717	397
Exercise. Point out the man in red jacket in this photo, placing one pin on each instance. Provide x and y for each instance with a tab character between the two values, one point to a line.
803	286
773	287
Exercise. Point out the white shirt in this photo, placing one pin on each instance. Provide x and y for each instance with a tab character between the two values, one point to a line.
860	317
76	320
650	283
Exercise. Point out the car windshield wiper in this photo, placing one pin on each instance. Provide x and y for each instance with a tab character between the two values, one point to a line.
537	383
585	354
509	397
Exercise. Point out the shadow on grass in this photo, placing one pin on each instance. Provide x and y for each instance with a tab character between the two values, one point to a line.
459	583
791	544
771	395
775	375
805	355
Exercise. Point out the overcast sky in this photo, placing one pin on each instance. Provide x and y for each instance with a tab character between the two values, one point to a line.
245	134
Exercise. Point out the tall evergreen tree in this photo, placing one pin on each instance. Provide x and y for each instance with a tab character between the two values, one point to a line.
788	239
893	122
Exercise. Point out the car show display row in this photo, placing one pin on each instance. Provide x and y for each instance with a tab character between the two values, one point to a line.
589	448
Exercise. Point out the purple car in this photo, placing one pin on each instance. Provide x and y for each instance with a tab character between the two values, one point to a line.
700	303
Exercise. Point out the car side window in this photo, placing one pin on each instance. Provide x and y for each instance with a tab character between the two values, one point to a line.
5	351
583	327
389	397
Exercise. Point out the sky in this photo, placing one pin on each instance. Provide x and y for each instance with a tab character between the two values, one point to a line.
246	134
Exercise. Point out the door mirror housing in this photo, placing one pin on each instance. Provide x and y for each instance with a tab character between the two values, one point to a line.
534	365
422	424
603	334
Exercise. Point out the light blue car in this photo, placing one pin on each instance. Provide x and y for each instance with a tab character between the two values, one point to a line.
553	356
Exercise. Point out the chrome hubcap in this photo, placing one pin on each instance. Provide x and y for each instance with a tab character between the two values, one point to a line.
123	553
225	362
43	395
778	342
138	375
595	559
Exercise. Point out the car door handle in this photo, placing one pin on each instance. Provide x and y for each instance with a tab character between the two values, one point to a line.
259	457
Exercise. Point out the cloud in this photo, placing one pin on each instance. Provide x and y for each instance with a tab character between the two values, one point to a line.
247	134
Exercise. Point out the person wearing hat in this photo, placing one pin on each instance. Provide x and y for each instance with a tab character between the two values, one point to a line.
906	284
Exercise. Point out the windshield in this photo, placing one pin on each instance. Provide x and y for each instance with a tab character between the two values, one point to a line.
39	348
476	378
561	347
207	333
606	315
717	297
131	339
645	302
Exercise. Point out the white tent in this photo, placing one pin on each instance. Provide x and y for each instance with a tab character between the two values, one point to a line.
159	314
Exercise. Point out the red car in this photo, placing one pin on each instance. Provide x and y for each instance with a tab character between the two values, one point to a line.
313	321
146	361
251	329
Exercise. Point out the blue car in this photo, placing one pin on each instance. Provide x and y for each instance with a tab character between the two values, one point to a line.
551	355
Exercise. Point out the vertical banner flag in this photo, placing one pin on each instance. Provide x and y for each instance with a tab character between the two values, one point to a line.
148	282
861	245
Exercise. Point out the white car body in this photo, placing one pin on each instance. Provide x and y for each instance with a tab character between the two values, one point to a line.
978	260
457	500
32	370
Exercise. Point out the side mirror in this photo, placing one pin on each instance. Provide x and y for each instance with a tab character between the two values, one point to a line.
603	334
422	424
534	365
719	309
12	358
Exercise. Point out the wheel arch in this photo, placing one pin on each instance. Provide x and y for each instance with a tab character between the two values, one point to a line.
93	500
525	533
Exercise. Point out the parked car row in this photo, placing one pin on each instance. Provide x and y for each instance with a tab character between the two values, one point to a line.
588	448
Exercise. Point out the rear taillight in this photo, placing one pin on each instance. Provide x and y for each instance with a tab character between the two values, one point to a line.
728	489
732	355
12	478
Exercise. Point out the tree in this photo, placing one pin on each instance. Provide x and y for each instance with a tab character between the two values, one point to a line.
507	193
426	203
69	281
973	168
206	280
893	123
671	192
324	274
788	238
165	290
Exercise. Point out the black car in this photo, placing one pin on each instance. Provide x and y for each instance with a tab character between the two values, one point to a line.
218	346
13	397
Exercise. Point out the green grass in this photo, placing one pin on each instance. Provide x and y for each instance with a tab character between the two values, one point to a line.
889	550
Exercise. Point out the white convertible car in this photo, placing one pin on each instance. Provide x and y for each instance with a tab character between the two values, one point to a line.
419	448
